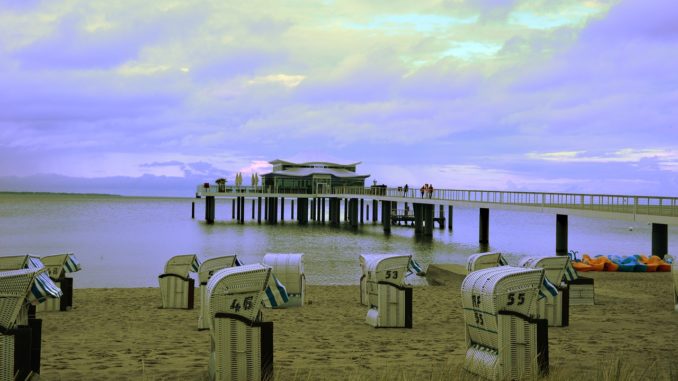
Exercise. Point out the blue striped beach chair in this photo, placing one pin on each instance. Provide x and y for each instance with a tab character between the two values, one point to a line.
205	271
289	270
59	267
20	332
241	341
177	288
554	303
389	298
504	339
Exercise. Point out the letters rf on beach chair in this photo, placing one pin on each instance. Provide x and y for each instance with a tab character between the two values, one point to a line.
176	287
20	332
241	341
504	340
205	272
389	299
289	269
59	266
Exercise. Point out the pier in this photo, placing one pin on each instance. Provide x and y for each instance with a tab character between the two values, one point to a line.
324	206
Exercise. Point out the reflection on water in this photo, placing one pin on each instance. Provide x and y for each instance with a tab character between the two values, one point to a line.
125	241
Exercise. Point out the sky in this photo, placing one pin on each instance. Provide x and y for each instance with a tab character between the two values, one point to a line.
157	97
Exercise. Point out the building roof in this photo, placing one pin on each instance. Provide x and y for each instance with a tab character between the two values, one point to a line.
278	161
303	172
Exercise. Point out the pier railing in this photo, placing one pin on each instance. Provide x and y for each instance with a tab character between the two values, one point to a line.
638	205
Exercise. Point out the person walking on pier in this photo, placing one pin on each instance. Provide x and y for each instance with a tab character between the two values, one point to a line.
405	189
423	189
430	190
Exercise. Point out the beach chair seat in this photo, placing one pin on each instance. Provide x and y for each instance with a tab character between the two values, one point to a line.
555	305
241	341
20	332
176	287
485	260
59	266
389	298
205	272
504	339
289	269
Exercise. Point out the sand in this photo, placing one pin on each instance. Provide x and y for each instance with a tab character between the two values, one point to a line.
121	334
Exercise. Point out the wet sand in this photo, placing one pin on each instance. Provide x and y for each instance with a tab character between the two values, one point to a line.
121	334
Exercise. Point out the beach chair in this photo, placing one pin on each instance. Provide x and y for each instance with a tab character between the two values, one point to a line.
555	305
20	332
486	260
389	298
176	287
241	341
205	272
504	339
363	259
59	266
289	269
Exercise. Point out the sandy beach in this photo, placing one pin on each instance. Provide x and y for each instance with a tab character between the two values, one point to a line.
121	334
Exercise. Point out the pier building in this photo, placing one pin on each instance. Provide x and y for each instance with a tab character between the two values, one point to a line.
311	177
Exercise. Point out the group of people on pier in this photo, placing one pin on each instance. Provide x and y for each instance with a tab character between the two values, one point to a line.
426	189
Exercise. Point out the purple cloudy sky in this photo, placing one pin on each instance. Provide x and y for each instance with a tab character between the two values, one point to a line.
155	97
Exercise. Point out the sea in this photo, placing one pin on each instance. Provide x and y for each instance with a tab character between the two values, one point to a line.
125	241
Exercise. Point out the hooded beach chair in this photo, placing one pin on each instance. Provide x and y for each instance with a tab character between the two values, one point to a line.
241	341
389	298
486	260
504	339
176	287
20	332
289	269
205	272
554	305
59	266
363	259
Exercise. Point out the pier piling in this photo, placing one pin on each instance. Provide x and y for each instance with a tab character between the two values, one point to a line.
484	226
660	240
561	234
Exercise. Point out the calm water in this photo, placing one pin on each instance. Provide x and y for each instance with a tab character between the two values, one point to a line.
125	241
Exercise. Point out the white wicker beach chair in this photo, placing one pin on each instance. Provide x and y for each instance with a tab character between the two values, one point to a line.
20	334
486	260
176	287
389	299
59	266
289	269
363	259
554	308
241	342
205	272
504	339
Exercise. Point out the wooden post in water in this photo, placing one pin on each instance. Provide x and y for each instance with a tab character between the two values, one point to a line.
362	207
259	210
192	209
450	209
292	209
441	216
233	209
561	234
660	240
282	209
418	219
386	216
429	210
484	226
209	209
367	212
242	209
252	209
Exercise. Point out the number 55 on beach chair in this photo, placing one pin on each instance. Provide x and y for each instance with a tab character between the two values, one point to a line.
176	287
20	333
504	340
389	299
241	341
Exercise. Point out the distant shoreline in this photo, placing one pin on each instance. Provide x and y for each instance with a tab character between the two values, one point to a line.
61	194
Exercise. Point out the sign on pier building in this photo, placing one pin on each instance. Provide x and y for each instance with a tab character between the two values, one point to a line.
311	177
